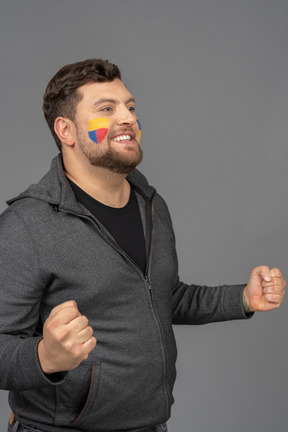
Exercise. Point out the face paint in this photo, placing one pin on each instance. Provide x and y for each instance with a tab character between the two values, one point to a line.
140	128
98	128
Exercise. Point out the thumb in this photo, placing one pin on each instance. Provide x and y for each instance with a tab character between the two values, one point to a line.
264	272
61	306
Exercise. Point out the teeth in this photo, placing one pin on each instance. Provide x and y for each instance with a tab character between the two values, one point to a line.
122	138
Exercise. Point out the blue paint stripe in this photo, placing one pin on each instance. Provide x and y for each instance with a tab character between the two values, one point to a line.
93	136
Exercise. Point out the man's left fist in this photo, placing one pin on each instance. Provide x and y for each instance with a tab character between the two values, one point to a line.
265	289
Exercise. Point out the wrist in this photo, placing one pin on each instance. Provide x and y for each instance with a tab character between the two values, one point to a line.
42	358
245	304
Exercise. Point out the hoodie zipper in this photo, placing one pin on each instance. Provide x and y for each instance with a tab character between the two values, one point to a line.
146	277
115	245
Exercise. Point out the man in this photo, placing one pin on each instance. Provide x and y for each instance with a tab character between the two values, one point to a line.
89	253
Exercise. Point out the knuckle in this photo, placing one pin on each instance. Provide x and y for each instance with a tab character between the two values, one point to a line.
62	336
264	269
275	298
84	320
91	345
90	330
276	272
79	353
68	345
71	310
51	325
73	304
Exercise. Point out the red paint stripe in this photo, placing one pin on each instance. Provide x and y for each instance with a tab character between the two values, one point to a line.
101	134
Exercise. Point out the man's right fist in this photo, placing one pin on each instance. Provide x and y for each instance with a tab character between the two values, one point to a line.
67	339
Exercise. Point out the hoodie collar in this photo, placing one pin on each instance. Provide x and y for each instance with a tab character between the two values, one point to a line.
54	188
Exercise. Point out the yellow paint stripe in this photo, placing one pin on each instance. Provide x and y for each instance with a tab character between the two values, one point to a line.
98	123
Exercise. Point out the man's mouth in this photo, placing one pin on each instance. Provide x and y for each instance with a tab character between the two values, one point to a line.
123	137
120	138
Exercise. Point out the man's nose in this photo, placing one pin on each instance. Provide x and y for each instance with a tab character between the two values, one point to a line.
125	116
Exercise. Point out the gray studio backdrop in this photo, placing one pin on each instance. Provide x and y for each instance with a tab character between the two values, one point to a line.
210	82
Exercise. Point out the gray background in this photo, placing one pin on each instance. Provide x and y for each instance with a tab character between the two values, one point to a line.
210	81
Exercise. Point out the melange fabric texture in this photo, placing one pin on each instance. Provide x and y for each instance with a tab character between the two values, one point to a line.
53	250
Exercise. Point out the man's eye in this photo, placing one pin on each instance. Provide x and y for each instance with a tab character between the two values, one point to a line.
132	109
107	109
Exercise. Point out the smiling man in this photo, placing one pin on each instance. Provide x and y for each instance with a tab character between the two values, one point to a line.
111	148
108	109
89	275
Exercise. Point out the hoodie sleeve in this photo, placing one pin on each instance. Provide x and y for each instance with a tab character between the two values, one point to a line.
21	290
193	304
196	304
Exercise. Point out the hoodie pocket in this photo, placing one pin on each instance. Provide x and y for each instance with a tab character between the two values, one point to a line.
78	393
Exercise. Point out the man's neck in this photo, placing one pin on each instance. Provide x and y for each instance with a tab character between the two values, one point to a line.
105	186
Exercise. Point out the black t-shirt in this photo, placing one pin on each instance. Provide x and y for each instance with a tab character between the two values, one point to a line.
124	223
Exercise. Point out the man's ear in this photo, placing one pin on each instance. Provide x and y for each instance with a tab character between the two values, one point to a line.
65	130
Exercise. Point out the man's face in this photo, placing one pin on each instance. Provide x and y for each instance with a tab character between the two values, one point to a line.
107	130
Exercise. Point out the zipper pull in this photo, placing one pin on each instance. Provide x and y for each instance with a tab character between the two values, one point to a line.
148	283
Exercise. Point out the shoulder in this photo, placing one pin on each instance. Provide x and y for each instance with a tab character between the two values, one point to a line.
24	217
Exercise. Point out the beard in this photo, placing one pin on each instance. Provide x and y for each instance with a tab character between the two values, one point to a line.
105	156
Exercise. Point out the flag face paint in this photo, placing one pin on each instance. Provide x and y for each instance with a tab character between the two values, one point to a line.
98	128
140	128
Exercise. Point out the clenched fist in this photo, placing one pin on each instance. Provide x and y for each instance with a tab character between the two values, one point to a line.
67	339
265	289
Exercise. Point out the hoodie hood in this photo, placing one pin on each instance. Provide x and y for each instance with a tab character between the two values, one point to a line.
54	188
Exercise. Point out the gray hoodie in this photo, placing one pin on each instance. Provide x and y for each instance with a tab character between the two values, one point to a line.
54	250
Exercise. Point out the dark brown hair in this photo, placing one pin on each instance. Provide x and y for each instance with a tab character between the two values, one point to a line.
61	96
